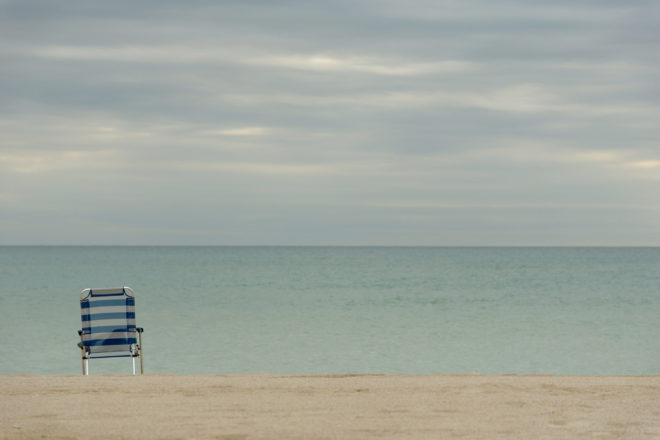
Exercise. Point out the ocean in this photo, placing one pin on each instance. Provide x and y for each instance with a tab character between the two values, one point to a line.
343	310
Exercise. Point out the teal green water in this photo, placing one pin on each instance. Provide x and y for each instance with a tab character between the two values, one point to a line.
300	310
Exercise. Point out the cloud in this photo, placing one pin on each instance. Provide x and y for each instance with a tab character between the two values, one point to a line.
386	120
177	54
33	162
264	168
364	64
241	131
646	164
518	98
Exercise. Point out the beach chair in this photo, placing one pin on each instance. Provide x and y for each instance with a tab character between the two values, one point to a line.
108	326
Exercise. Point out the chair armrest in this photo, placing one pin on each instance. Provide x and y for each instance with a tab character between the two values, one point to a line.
81	332
139	329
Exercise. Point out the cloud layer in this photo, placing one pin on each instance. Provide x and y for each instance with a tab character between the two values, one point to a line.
362	122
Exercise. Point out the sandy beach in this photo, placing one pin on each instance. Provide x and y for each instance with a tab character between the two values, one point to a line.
329	407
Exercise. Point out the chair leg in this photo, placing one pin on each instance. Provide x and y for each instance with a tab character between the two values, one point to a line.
133	359
84	362
86	367
140	352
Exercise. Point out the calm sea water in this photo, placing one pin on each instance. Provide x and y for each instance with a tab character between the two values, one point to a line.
299	310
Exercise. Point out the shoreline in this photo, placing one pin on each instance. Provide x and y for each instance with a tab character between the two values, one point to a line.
268	406
333	375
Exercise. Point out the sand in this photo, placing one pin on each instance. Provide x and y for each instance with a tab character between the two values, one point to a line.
329	407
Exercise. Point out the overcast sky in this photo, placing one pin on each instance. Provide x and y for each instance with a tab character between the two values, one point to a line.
358	122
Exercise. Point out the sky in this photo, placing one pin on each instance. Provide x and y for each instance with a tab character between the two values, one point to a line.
361	122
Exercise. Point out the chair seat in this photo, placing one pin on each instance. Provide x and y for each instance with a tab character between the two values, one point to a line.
111	354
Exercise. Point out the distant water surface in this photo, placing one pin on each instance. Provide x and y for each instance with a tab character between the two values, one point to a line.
301	310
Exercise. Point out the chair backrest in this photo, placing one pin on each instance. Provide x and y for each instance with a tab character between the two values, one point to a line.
108	321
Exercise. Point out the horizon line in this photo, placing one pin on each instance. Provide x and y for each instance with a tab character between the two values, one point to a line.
340	245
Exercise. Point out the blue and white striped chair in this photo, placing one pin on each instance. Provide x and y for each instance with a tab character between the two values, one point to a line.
108	326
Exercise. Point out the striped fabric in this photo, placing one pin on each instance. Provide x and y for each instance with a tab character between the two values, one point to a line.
108	323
